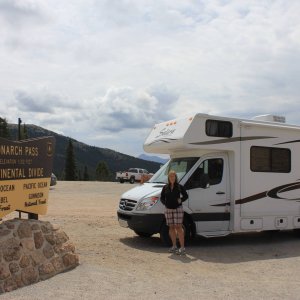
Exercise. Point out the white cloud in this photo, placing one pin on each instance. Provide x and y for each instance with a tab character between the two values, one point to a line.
42	101
106	63
20	12
124	107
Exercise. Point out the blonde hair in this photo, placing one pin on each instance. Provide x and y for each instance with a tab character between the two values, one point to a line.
176	178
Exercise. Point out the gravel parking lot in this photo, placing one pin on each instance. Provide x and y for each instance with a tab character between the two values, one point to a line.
117	264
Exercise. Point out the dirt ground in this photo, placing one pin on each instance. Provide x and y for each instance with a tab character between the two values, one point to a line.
117	264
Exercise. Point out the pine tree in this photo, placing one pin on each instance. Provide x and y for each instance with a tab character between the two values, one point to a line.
70	165
86	176
4	131
102	171
24	132
79	175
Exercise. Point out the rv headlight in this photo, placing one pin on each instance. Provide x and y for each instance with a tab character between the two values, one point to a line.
147	203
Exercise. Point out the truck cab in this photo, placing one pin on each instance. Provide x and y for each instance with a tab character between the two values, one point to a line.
132	175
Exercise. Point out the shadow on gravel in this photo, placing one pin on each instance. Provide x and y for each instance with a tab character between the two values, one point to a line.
149	244
234	248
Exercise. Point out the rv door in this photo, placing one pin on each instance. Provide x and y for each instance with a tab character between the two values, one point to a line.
209	199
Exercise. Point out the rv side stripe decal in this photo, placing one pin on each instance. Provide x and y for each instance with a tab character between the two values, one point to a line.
295	141
230	140
211	217
273	193
221	204
283	188
165	140
251	198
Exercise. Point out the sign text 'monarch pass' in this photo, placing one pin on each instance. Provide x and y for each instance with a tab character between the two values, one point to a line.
25	174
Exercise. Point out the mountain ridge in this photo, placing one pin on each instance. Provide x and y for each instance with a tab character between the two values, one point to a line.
154	158
85	155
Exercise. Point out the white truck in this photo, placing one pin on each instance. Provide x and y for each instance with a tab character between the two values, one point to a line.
241	175
132	175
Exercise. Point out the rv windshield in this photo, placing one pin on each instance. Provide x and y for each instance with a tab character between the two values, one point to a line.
180	165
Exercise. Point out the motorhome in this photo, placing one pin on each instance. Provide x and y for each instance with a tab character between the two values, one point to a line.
241	175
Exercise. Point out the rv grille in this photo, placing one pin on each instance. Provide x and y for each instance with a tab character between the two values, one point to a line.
127	204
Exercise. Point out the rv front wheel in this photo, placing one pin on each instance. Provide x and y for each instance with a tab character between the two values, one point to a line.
164	235
143	234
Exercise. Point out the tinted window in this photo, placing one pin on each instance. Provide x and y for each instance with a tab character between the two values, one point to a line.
267	159
209	172
218	128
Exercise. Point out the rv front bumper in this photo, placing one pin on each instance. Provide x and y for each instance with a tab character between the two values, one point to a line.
146	223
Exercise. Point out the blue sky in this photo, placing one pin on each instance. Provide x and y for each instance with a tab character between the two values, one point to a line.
104	72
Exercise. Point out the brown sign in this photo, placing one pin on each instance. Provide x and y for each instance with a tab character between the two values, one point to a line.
25	174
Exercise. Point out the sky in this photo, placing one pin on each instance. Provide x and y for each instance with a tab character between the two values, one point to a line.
104	72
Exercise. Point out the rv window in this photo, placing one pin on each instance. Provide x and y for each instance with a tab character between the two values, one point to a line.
267	159
210	172
180	165
218	128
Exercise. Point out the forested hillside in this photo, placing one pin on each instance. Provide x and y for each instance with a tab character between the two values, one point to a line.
85	155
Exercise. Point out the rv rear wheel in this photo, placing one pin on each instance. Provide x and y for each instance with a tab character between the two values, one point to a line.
164	233
143	234
121	180
132	180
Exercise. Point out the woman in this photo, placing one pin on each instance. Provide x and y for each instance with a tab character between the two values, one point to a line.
172	196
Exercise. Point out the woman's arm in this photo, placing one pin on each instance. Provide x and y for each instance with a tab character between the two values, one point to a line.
183	193
163	196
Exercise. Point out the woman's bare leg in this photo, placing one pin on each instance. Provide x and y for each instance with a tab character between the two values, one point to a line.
172	234
180	233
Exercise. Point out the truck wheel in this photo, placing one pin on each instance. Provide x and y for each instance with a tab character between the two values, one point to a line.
132	180
164	233
143	234
121	180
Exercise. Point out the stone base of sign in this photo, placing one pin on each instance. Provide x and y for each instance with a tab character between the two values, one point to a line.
32	250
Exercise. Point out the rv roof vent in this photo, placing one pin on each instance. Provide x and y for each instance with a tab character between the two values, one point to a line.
270	118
